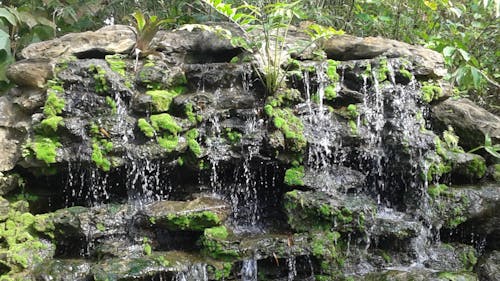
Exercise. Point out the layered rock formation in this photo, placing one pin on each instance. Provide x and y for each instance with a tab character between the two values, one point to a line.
180	166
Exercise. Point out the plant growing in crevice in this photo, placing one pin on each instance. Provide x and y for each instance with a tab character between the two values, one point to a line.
265	31
146	28
493	150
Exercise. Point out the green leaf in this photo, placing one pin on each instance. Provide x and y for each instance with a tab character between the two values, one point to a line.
464	54
449	51
6	14
140	20
476	76
492	151
487	140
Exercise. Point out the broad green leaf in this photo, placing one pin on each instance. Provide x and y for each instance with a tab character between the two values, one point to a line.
476	76
449	51
464	54
6	14
491	151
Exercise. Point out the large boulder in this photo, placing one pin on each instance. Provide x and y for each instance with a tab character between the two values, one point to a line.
107	40
346	47
470	122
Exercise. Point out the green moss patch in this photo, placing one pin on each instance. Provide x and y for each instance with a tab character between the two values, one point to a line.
431	92
195	221
291	127
294	176
21	246
161	99
165	122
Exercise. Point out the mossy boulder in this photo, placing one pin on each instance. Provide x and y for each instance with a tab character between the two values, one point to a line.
195	215
308	210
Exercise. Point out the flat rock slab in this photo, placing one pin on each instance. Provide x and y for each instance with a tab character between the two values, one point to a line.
115	39
193	215
346	47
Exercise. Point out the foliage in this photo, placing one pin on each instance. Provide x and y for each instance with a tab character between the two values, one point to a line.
493	150
146	28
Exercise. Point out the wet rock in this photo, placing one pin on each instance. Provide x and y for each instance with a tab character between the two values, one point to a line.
346	47
318	210
473	208
4	209
419	275
195	215
221	243
10	145
393	228
9	182
29	99
30	73
488	267
337	179
62	270
470	122
466	167
115	39
451	257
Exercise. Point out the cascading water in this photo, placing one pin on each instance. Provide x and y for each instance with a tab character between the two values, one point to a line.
249	270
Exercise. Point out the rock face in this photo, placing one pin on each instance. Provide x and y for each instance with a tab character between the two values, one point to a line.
470	121
181	166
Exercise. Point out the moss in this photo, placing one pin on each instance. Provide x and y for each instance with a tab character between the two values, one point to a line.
191	116
291	127
218	232
405	73
268	109
146	247
21	244
456	276
45	148
165	121
146	128
49	125
431	92
294	176
180	161
99	158
352	111
224	272
354	127
192	134
117	64
477	167
161	99
169	142
382	70
368	70
234	137
197	221
54	105
195	147
496	172
99	75
331	70
112	104
436	190
330	93
469	259
324	247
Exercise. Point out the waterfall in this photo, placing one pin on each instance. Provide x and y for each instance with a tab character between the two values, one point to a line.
249	270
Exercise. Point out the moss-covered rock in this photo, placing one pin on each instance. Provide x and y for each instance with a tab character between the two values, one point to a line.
317	210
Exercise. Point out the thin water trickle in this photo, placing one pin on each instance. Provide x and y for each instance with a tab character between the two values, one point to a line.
249	270
292	268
